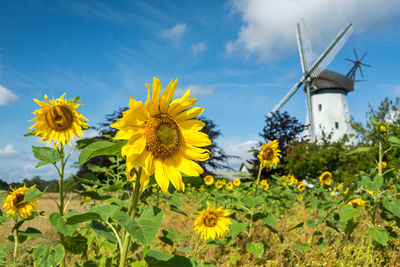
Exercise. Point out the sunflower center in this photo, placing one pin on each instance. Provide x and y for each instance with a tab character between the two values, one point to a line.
269	154
18	199
163	137
210	220
59	118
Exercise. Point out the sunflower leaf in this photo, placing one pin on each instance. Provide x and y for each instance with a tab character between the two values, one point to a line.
257	249
101	230
157	258
31	194
358	150
74	100
379	235
45	154
100	148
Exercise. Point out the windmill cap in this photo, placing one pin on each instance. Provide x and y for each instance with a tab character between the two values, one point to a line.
333	80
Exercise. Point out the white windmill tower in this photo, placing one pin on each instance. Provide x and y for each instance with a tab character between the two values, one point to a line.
327	107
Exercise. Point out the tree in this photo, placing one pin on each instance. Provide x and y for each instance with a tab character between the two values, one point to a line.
285	129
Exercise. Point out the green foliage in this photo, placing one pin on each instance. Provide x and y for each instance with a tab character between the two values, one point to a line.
45	256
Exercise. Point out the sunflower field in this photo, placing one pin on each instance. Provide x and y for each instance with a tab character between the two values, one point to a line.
157	208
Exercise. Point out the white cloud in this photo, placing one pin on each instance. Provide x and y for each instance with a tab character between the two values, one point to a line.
6	96
268	29
198	48
240	150
8	151
175	33
196	90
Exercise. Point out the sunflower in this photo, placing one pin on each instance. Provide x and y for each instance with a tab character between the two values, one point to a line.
333	194
340	187
58	120
283	180
357	202
383	164
393	187
212	222
219	184
263	182
325	178
236	182
265	186
12	203
382	128
292	179
163	136
301	186
299	197
208	180
229	186
269	155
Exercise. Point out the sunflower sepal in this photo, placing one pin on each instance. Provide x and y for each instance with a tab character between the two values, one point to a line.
74	100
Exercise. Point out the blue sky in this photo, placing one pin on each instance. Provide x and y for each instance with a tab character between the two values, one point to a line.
238	57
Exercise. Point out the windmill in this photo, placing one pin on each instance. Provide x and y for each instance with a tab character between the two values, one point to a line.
312	75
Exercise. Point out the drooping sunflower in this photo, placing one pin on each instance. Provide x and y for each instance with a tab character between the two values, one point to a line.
325	178
269	155
236	182
58	121
301	186
357	202
229	186
163	136
12	203
208	180
212	222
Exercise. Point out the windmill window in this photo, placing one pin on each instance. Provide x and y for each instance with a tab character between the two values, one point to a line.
319	107
336	125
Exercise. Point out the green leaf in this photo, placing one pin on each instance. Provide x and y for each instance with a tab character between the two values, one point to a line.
174	200
45	154
31	194
358	150
94	195
4	251
76	244
257	249
105	211
347	212
374	185
30	231
379	235
393	206
45	256
101	230
177	210
236	228
296	226
99	148
146	228
271	219
88	216
394	141
60	224
302	248
95	168
350	226
74	100
156	258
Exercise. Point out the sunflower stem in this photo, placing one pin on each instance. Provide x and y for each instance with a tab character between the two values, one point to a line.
132	212
15	234
61	192
252	209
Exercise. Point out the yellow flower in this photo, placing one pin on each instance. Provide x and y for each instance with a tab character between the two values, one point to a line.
229	186
370	192
283	180
269	155
263	182
325	178
212	222
334	194
201	189
299	197
398	195
301	186
163	137
340	187
58	121
393	187
154	190
144	178
383	164
208	180
188	185
12	206
236	182
265	186
223	182
292	179
219	184
382	128
357	202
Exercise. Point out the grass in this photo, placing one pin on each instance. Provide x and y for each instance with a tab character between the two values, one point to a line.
281	250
